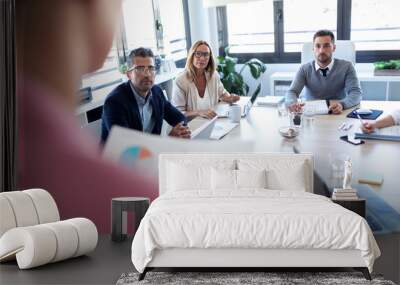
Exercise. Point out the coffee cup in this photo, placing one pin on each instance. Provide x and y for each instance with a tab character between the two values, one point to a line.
235	113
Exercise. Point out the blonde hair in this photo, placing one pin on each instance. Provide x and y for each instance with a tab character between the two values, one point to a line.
189	67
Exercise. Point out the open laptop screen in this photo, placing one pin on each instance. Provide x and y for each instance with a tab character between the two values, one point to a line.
201	128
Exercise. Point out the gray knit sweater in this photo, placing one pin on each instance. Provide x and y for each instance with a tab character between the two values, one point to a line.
341	83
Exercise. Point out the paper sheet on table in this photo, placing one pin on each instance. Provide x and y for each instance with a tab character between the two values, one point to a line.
221	129
136	149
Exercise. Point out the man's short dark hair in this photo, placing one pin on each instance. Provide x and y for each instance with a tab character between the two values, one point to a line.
324	33
142	52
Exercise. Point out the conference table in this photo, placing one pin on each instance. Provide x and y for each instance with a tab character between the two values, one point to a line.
320	136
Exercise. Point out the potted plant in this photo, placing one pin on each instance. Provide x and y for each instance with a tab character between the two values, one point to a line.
390	67
232	80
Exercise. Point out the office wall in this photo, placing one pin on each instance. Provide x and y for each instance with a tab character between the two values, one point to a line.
203	23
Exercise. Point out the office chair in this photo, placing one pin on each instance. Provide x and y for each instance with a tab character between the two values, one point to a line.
344	50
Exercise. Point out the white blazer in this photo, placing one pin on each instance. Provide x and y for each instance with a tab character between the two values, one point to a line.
184	95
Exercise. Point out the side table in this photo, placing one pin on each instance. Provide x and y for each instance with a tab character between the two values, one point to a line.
357	206
119	208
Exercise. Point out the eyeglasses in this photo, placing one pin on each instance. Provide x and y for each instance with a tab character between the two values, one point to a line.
144	69
199	54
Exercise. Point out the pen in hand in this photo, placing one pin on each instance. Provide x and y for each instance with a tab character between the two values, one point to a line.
359	117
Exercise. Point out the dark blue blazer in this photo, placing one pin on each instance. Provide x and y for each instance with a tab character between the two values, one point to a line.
120	108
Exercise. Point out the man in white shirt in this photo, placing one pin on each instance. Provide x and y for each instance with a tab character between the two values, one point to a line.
387	121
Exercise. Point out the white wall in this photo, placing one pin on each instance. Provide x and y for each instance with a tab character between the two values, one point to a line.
203	24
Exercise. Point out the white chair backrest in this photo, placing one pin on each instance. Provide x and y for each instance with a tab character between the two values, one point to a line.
26	208
344	50
212	159
94	129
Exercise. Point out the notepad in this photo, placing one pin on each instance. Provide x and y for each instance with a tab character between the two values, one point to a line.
316	107
371	178
385	134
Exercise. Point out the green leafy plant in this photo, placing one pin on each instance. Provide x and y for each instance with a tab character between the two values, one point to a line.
123	68
390	64
232	80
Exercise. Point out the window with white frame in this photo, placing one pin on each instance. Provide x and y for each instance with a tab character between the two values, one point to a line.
382	29
173	21
251	27
274	30
139	24
299	28
155	24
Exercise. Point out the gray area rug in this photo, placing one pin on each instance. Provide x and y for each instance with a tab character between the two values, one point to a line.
228	278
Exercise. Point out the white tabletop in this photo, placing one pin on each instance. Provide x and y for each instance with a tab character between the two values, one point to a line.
320	136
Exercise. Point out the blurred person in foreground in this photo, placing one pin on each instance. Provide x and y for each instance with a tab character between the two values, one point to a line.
58	42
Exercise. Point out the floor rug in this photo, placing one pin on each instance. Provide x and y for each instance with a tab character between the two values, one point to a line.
243	278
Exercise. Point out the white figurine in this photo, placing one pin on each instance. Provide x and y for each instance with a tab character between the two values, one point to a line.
347	174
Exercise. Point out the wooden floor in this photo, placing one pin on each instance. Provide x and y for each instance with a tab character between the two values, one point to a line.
103	266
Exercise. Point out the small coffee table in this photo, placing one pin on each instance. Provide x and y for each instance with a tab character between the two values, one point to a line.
120	206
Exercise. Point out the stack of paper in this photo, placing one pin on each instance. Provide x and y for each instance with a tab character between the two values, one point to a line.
316	107
344	194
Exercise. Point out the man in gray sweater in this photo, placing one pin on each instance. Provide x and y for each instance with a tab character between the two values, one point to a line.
326	78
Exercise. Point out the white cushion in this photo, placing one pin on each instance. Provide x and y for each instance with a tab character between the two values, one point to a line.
181	177
282	174
87	233
33	244
23	208
67	240
223	179
226	179
251	178
7	216
186	174
45	205
40	244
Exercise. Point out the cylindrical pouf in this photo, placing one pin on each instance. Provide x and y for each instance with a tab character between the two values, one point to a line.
45	205
67	239
87	235
7	218
23	208
34	246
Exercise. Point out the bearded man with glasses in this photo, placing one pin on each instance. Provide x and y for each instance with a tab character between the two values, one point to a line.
139	104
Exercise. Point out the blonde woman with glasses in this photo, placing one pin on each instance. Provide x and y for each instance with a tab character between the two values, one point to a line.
198	89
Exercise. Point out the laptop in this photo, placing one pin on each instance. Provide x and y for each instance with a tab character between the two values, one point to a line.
223	109
201	128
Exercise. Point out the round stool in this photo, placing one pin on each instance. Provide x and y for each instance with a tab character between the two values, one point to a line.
120	206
